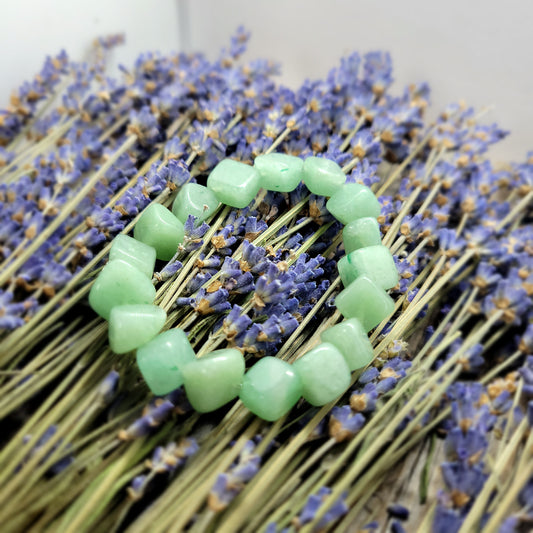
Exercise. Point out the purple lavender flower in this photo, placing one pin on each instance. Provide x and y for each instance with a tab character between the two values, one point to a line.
229	484
194	232
274	287
108	387
206	302
513	300
398	511
59	465
314	503
12	313
464	481
155	414
254	258
364	401
344	424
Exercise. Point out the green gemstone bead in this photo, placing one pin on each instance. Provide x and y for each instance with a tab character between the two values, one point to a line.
374	262
346	272
131	326
194	199
118	284
322	176
279	172
324	373
214	380
134	252
351	339
366	301
360	233
233	183
271	388
159	228
352	201
161	360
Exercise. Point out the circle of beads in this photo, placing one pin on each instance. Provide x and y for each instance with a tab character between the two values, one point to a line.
123	293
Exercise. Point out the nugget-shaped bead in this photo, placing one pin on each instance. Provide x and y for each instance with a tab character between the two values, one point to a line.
118	284
353	201
134	252
233	183
351	339
279	172
159	228
366	301
194	199
271	388
322	176
374	262
214	380
324	373
161	360
131	326
360	233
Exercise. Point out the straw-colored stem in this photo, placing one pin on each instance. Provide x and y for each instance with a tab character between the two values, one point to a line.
280	138
352	133
64	213
387	433
42	145
398	171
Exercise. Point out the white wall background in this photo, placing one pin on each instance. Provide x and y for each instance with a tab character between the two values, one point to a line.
32	29
476	50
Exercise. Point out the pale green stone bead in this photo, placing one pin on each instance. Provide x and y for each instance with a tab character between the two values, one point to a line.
322	176
233	183
214	380
352	201
360	233
374	262
271	388
118	284
161	360
345	270
131	326
279	172
324	373
134	252
194	199
159	228
366	301
351	339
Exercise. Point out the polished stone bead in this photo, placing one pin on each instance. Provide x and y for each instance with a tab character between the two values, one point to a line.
374	262
271	388
131	326
322	176
194	199
214	380
136	253
324	373
159	228
233	183
366	301
351	339
118	284
161	360
279	172
352	201
345	270
360	233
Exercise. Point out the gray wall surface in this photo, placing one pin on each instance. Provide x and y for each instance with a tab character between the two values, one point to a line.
479	51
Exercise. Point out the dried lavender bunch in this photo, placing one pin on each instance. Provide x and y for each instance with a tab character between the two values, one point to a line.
450	376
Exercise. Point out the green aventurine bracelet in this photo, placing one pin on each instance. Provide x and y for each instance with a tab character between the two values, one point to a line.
123	293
